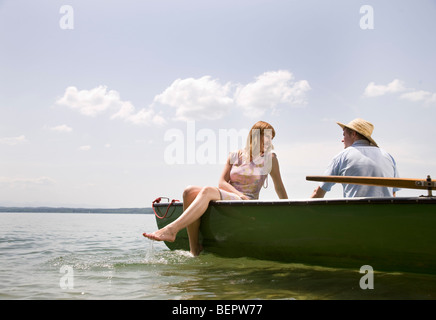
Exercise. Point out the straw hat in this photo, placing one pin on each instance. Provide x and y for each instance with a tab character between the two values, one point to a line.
361	126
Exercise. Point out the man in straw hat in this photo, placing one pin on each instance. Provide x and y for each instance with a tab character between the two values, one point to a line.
361	157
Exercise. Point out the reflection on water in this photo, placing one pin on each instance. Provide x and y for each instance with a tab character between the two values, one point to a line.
212	277
112	260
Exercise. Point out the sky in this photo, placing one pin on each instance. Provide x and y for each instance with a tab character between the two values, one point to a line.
112	104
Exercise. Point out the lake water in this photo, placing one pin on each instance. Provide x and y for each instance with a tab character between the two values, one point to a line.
104	256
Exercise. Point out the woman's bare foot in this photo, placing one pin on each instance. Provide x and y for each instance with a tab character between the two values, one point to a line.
161	235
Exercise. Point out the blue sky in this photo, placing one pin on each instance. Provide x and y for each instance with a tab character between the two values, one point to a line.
87	114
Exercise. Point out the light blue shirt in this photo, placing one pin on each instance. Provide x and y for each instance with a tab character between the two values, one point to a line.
362	159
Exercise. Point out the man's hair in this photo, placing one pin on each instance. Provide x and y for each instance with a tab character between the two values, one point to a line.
361	137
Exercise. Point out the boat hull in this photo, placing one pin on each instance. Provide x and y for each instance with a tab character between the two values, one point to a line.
389	234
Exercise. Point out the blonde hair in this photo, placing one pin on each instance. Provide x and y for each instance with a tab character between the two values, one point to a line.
255	140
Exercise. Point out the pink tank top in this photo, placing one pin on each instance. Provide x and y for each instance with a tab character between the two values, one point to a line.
249	177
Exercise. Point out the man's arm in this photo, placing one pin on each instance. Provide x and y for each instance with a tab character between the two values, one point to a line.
318	193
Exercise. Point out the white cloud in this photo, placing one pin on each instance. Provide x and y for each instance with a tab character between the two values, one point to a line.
99	100
270	90
91	102
193	99
144	116
196	99
416	96
13	141
397	86
25	182
207	98
373	90
84	148
61	128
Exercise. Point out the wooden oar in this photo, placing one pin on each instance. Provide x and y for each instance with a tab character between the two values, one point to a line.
426	184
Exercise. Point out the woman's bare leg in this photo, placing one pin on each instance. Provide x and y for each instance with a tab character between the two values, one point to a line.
189	216
189	195
194	237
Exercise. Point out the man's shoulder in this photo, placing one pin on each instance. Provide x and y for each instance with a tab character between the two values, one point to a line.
348	153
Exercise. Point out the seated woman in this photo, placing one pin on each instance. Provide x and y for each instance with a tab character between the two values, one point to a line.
242	179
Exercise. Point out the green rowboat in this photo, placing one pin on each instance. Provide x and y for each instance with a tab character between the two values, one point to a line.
389	234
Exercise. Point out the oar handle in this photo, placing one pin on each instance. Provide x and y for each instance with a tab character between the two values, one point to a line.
427	184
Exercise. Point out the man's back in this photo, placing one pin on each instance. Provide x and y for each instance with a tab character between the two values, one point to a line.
361	159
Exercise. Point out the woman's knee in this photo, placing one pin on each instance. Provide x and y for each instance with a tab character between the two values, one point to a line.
211	193
191	191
